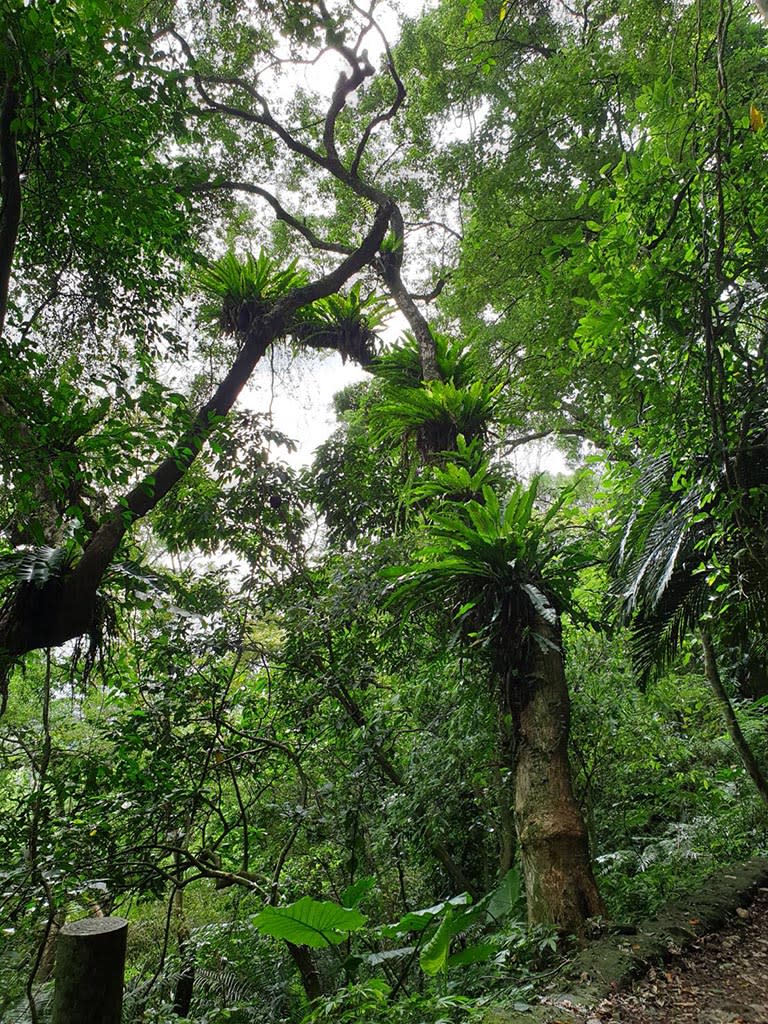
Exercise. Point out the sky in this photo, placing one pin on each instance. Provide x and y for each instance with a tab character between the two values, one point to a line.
299	392
299	395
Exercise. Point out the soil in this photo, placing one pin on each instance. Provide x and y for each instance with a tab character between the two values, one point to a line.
722	978
702	959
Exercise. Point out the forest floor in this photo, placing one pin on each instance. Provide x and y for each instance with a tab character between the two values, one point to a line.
721	979
701	959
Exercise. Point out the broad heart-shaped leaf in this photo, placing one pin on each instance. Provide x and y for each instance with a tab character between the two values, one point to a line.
309	922
506	897
434	955
419	920
473	954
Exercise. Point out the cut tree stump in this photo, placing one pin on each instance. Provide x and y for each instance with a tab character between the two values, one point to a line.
90	963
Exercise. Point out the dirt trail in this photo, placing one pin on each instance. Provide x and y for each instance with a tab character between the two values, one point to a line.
721	979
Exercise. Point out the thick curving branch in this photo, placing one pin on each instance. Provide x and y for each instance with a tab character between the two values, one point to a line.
36	618
228	185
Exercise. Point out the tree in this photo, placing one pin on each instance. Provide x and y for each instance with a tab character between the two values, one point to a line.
544	96
61	599
678	267
663	588
506	580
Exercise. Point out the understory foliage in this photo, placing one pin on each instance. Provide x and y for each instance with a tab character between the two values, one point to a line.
275	716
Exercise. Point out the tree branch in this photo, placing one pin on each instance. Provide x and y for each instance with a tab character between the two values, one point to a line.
280	212
400	93
63	609
10	192
539	435
430	296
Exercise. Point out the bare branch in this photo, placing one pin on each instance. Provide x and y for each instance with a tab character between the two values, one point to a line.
328	161
400	92
431	295
539	435
280	212
421	225
345	86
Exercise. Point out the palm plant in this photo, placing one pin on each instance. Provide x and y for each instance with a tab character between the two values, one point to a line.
504	570
347	323
400	366
435	412
658	586
683	564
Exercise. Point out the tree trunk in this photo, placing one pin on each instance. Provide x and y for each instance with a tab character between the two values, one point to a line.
504	785
559	883
10	191
90	962
310	976
185	982
731	722
47	963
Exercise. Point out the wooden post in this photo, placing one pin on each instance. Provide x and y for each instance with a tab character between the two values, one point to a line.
90	962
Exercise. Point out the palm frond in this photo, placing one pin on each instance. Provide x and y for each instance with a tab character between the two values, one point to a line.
345	322
400	366
488	552
442	408
659	589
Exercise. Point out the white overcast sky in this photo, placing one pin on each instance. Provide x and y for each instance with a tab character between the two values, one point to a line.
299	393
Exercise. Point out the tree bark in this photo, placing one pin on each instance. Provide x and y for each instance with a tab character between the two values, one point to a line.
731	722
559	882
310	976
418	324
90	962
504	784
185	982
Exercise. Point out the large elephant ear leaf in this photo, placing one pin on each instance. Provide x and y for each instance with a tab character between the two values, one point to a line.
507	898
309	922
434	955
355	893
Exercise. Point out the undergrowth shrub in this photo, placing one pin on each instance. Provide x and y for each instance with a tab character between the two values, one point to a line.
664	793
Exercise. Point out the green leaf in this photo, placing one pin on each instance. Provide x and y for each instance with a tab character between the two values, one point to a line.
472	955
386	955
419	920
354	893
310	922
434	955
507	897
